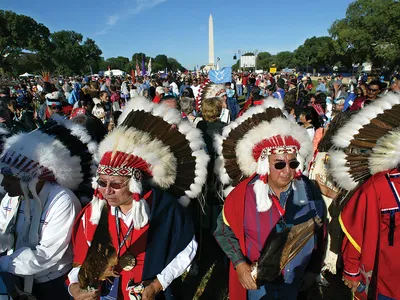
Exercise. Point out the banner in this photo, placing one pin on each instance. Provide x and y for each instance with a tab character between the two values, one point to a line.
143	66
137	68
149	68
247	61
220	76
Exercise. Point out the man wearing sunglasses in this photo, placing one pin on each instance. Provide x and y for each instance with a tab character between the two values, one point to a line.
375	88
274	196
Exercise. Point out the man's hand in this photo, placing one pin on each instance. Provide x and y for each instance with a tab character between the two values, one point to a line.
150	292
77	294
351	283
244	272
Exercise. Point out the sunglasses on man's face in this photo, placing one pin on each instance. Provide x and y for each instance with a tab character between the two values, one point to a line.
373	90
282	164
113	185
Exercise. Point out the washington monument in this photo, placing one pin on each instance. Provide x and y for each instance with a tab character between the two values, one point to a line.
211	65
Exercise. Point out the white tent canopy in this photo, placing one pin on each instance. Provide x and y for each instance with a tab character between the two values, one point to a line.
114	73
26	74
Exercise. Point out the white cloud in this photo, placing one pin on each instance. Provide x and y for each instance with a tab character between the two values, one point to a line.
141	5
111	20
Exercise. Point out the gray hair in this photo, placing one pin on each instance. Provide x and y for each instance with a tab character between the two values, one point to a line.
187	105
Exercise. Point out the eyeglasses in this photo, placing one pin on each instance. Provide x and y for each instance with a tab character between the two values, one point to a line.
113	185
282	164
373	90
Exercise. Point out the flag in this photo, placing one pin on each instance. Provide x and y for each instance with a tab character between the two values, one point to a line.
149	68
220	76
133	77
137	68
143	66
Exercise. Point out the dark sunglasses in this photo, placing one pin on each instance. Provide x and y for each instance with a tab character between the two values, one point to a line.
282	164
113	185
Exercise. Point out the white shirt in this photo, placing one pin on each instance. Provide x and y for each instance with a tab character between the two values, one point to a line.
172	271
311	132
53	255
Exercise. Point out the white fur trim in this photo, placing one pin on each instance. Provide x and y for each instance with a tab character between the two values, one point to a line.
266	130
97	206
94	182
346	133
263	200
139	103
140	213
263	166
135	186
339	170
228	190
272	102
386	154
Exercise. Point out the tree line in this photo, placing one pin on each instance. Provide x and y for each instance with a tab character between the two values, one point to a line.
369	32
29	46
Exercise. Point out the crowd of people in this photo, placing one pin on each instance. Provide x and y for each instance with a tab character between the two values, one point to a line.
113	186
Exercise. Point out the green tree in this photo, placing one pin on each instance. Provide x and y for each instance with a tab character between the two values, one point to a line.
137	57
120	62
160	63
285	59
369	32
174	65
236	66
72	56
19	32
92	58
265	60
316	52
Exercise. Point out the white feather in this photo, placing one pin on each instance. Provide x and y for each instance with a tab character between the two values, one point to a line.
263	199
346	133
339	170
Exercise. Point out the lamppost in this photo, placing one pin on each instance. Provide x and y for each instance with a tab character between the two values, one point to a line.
255	61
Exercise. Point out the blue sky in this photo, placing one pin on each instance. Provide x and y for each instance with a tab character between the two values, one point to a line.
179	28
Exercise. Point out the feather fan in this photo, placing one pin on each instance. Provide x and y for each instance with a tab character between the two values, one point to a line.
280	248
101	257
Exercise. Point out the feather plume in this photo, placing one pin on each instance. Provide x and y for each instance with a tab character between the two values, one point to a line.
46	76
280	248
367	143
100	258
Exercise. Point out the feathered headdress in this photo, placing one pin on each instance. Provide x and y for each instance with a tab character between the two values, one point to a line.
368	143
59	152
152	141
245	144
207	90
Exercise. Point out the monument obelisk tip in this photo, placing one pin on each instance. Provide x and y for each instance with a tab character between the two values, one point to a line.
211	42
